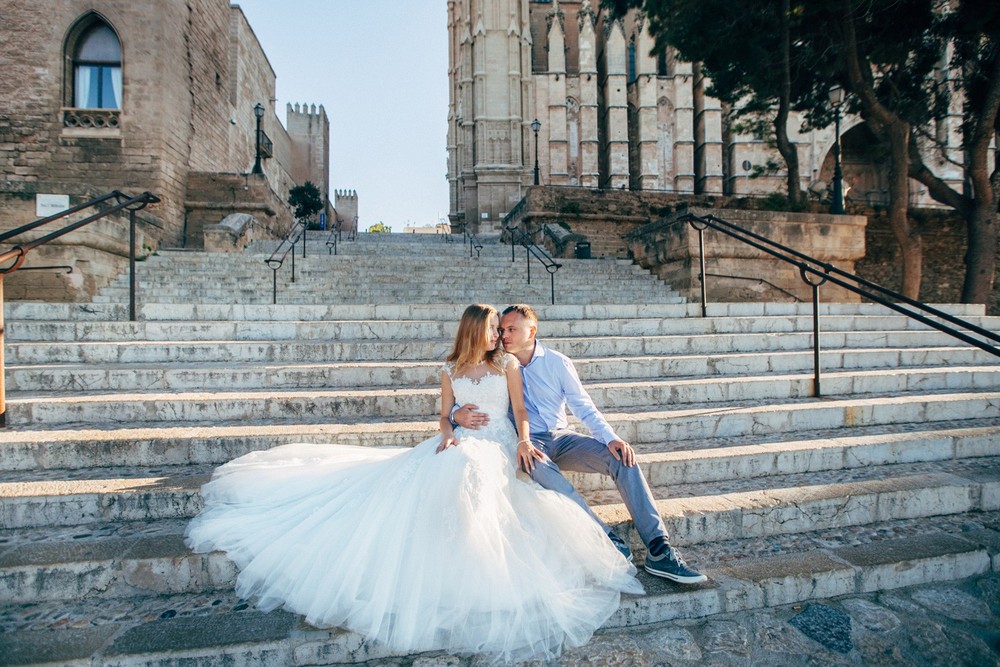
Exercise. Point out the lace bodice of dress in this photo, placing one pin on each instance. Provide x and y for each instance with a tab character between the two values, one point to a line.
489	392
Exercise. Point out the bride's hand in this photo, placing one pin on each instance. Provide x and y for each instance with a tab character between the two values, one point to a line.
446	442
527	454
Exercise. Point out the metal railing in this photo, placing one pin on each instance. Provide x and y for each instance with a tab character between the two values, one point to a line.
334	237
531	249
337	236
815	273
19	253
473	241
296	233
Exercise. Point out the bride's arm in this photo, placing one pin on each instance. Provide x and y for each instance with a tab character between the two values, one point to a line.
448	438
527	453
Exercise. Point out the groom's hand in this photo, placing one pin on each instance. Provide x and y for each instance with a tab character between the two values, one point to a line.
468	416
622	451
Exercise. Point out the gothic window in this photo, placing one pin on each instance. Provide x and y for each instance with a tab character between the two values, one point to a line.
631	61
96	67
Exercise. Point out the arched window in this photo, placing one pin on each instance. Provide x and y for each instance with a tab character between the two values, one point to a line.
97	68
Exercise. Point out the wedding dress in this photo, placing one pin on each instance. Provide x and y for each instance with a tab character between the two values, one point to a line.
416	549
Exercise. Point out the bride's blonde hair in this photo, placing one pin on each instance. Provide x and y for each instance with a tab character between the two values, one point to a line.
472	338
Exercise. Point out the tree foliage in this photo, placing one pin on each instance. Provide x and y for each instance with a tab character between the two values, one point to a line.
889	55
305	200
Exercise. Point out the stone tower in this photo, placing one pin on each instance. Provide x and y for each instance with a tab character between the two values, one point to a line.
345	204
309	131
489	123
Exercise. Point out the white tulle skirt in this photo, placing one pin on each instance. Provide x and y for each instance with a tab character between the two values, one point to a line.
416	550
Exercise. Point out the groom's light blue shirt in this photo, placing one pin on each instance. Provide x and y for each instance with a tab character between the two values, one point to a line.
550	385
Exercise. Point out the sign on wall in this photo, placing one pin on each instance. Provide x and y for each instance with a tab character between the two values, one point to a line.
46	205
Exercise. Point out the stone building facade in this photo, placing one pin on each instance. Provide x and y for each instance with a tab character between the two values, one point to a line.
137	95
612	116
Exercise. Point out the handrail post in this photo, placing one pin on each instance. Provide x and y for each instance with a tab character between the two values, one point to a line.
701	262
552	286
305	226
274	285
131	265
3	362
816	389
293	262
527	261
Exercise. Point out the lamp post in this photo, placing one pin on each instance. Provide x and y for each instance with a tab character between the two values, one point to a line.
258	111
836	99
535	126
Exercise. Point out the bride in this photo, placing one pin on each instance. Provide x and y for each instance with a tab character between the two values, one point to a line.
436	547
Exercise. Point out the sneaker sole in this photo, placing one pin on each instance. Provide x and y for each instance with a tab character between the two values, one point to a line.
701	578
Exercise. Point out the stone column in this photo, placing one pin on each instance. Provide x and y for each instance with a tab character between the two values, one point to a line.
708	137
554	122
615	107
645	97
589	141
684	128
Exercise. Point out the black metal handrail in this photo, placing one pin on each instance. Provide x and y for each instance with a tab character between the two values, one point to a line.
19	253
334	237
295	233
815	273
518	235
124	202
473	241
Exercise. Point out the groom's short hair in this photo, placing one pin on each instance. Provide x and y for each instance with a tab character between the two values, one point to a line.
524	310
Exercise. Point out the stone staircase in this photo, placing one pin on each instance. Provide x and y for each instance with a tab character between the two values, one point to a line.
384	269
891	479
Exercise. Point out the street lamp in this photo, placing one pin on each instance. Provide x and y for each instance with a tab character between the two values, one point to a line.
535	127
258	111
836	94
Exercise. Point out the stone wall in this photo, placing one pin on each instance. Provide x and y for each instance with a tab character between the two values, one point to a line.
605	217
192	73
944	242
212	197
737	271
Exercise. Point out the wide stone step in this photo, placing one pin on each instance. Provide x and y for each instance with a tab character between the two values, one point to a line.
430	328
330	350
221	630
695	512
578	298
251	375
154	444
334	404
447	311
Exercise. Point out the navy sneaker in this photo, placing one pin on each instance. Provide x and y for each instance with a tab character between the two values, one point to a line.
670	565
621	546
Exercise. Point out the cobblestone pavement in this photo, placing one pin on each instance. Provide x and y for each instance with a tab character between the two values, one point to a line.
951	624
948	625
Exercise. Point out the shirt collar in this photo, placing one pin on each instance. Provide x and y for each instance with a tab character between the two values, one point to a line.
539	351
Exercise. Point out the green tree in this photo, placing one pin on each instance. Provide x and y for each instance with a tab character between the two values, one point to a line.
972	29
881	51
379	228
747	51
306	201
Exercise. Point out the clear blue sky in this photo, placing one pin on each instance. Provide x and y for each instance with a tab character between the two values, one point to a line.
380	69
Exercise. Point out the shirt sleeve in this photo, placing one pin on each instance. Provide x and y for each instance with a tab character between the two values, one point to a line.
582	405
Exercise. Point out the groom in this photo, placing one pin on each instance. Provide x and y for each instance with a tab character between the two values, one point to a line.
550	384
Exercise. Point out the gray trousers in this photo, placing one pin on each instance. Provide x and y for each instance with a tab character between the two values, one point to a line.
568	450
